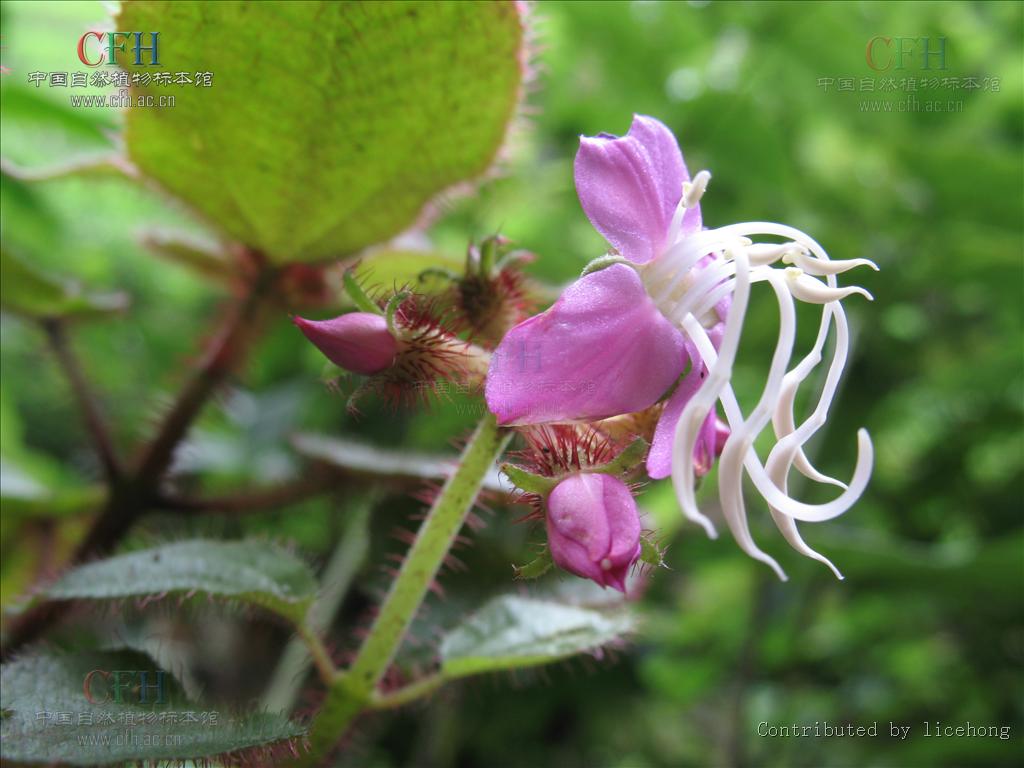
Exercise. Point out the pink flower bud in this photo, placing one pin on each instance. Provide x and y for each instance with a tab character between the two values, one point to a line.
359	341
594	528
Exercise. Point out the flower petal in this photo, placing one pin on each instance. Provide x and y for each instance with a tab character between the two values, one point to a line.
577	512
659	457
630	187
602	349
623	522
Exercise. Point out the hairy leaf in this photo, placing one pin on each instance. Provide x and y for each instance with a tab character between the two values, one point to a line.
251	572
327	126
511	632
47	717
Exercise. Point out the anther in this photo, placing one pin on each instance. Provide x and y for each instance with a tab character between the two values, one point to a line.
694	190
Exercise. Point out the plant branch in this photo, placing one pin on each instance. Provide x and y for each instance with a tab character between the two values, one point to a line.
353	690
314	484
221	357
409	693
135	492
347	558
318	651
94	421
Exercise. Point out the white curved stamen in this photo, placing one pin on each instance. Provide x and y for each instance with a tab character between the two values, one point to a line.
771	494
697	409
741	439
710	276
813	266
694	190
784	424
691	194
678	264
806	288
801	372
686	295
764	254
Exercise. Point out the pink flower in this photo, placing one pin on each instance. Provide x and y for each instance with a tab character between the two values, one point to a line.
671	298
594	528
605	348
359	341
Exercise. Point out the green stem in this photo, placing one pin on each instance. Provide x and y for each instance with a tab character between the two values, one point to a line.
317	652
347	559
353	690
409	693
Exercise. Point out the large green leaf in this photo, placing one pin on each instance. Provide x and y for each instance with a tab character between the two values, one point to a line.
252	572
47	717
29	292
328	125
511	632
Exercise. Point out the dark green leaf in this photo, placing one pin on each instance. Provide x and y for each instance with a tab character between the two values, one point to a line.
48	718
254	572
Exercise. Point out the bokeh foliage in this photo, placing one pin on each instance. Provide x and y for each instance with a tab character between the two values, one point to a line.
928	624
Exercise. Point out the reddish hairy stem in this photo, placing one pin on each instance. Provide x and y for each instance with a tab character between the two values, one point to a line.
221	356
134	493
87	404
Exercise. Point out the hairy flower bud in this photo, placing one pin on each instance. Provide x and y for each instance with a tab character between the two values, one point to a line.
594	528
359	341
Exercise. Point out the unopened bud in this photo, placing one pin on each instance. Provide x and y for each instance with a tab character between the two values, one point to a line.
594	528
359	341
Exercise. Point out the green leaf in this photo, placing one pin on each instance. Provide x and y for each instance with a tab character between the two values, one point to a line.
254	572
23	494
47	717
389	269
370	461
33	484
327	127
511	632
26	291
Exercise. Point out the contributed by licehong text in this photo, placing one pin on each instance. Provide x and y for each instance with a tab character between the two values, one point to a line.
927	729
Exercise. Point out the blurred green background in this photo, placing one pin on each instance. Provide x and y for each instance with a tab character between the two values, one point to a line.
927	626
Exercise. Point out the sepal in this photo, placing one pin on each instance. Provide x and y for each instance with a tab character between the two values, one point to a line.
536	567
